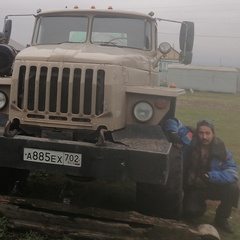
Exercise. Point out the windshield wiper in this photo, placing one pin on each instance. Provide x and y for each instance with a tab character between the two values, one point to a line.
56	43
110	44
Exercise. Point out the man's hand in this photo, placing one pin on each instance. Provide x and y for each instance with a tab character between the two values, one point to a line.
175	138
199	181
204	177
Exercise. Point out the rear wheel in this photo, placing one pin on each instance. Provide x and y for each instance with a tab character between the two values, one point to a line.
163	201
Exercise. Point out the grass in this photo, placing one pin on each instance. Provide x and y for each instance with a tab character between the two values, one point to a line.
6	234
224	111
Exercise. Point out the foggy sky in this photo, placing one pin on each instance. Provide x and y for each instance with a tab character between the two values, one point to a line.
217	34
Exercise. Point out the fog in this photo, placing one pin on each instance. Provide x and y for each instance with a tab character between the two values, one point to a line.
217	23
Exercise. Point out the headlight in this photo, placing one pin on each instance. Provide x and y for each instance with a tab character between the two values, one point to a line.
143	111
3	100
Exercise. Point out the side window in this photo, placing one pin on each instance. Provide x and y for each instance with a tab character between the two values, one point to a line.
148	36
156	37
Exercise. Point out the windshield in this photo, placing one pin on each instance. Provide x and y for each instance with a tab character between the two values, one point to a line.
122	32
53	30
106	31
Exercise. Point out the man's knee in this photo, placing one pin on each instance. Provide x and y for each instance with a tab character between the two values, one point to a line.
233	187
228	194
232	194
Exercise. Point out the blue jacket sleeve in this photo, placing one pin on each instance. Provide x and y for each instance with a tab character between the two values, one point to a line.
222	173
172	124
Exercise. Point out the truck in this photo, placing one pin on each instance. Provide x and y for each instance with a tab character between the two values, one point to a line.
84	100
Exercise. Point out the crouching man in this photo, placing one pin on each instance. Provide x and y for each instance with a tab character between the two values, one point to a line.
211	174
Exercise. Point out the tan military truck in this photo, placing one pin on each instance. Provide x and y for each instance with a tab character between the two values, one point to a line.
85	100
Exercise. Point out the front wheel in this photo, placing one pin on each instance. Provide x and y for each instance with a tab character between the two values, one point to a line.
8	179
163	201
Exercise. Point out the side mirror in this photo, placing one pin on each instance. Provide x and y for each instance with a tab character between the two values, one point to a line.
7	30
186	37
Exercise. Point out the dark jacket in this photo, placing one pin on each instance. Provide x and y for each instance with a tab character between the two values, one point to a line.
221	168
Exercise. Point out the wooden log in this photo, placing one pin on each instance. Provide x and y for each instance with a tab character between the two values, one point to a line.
208	231
55	219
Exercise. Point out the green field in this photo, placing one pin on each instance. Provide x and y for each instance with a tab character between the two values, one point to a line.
224	111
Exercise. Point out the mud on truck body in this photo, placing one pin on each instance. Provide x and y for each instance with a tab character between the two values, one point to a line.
84	99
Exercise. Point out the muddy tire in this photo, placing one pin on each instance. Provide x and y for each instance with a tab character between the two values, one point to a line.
7	56
9	177
163	201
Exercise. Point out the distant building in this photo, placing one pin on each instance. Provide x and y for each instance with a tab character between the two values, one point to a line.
200	78
203	78
173	55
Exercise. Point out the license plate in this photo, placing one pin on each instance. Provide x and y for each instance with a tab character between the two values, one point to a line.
52	157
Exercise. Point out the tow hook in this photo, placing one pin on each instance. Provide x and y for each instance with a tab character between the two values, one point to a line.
101	139
7	132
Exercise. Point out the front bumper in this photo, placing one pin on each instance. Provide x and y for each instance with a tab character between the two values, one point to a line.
109	162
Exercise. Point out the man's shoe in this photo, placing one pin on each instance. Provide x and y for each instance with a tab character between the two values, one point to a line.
223	224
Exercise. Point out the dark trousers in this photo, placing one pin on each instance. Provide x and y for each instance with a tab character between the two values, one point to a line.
194	202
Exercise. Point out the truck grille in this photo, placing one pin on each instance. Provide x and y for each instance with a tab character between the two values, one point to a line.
61	93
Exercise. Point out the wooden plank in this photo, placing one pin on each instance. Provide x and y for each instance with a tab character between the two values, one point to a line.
55	219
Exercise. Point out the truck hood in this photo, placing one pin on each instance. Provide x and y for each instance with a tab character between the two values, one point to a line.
87	53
